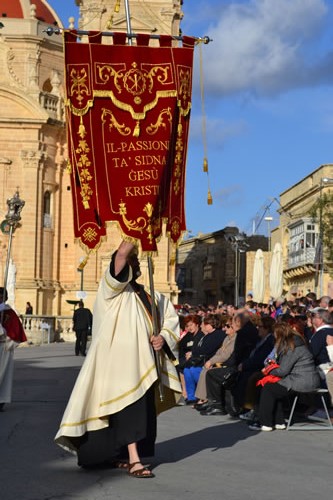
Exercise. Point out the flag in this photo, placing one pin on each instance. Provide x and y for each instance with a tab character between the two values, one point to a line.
127	113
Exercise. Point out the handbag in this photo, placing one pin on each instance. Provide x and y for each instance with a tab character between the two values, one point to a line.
230	377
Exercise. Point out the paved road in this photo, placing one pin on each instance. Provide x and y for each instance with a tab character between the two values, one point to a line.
198	458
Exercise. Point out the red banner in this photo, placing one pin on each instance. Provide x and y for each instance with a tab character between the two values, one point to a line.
128	110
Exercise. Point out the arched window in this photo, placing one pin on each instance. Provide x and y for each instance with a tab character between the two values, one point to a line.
47	220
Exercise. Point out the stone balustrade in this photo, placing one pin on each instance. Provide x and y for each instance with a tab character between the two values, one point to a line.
47	329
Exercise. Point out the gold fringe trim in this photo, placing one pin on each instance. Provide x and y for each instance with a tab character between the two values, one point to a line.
78	111
127	107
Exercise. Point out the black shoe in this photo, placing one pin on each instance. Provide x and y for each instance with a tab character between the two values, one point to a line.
191	401
211	410
2	406
201	406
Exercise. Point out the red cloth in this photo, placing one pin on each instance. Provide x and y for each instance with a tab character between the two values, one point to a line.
269	368
271	379
127	113
13	326
268	378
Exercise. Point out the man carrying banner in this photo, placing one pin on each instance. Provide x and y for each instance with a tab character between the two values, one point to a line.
111	414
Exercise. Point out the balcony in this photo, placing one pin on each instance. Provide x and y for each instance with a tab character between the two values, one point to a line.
301	257
52	104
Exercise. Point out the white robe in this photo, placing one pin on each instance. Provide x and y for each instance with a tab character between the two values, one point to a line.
120	366
6	372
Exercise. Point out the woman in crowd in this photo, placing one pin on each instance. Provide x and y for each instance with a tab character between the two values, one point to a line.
296	371
187	343
250	370
246	339
220	357
206	347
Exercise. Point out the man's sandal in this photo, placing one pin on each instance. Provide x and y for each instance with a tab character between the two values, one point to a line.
120	465
143	473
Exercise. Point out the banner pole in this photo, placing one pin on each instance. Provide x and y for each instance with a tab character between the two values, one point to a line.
155	323
128	23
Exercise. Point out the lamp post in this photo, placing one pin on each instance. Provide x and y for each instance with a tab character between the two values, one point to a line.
239	246
8	226
80	268
323	181
269	219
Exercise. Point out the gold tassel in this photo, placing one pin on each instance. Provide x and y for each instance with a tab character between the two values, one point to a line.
136	132
209	198
117	6
205	165
180	129
82	129
109	23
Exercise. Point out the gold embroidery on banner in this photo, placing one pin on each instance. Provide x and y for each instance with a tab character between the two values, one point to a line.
135	80
175	227
185	84
127	107
84	164
79	89
149	209
178	158
68	167
184	91
153	127
89	234
138	225
122	129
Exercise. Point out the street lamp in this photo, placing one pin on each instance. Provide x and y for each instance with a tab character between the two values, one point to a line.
80	268
239	246
8	226
323	181
269	219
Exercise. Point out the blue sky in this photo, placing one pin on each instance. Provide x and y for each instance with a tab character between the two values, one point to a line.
268	80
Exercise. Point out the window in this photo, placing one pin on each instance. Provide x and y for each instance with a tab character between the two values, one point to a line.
302	243
47	220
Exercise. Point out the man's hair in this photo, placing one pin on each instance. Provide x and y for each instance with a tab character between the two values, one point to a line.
325	299
326	316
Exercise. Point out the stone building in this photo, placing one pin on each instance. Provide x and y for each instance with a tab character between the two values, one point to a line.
298	233
213	267
33	153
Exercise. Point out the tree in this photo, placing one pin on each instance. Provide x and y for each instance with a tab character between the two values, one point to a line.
322	212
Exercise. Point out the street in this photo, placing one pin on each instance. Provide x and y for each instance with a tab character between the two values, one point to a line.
196	458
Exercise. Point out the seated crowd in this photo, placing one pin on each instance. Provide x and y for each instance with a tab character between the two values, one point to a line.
245	362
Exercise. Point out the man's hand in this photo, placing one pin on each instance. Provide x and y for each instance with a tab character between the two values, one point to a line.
124	250
157	341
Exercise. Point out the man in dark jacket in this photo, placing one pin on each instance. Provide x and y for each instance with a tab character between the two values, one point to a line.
82	322
322	321
247	337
